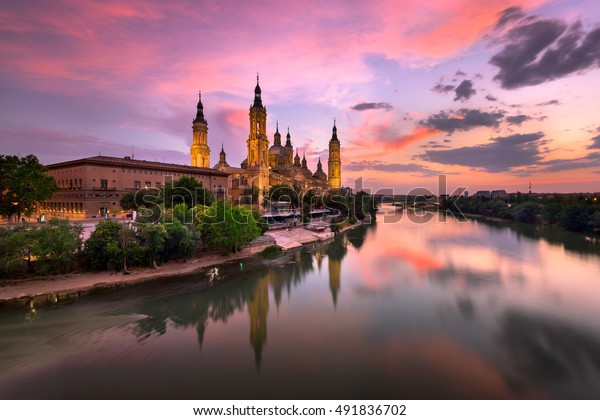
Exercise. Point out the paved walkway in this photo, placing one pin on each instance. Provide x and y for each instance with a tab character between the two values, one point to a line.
292	238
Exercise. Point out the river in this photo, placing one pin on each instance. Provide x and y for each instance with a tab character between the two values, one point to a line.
397	309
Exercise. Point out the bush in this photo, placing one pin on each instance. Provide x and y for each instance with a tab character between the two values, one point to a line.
102	250
352	220
335	228
57	246
15	249
270	252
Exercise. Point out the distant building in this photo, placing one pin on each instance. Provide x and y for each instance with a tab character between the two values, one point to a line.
460	192
483	194
92	187
499	194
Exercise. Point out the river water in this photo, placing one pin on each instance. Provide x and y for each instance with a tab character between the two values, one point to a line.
396	309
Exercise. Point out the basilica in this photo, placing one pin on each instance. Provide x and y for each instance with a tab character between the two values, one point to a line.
266	166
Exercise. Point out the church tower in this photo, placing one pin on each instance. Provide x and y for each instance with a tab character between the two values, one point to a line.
289	149
335	164
258	144
200	151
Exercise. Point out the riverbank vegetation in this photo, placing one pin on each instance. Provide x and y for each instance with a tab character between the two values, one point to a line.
576	214
173	223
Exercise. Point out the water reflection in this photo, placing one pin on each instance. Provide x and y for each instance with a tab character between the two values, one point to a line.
548	353
217	305
443	310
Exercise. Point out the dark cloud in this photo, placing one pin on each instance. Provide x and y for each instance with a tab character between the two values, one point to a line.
508	15
464	120
551	102
363	106
491	98
501	154
442	88
377	165
460	73
595	140
464	91
517	119
592	160
434	146
540	50
446	140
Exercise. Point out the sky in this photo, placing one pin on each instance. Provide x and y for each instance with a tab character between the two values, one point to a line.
494	94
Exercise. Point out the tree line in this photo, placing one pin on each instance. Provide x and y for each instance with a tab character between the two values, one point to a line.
577	214
163	232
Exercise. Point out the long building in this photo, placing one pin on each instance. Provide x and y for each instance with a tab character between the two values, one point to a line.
91	188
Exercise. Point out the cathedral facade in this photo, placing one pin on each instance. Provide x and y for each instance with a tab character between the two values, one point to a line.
265	166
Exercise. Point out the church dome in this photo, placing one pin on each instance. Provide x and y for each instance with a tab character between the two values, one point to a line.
277	150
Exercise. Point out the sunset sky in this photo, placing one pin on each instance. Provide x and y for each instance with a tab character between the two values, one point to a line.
495	93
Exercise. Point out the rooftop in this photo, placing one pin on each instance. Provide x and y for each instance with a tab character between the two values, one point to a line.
135	163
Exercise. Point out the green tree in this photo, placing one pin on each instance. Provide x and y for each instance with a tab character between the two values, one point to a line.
576	218
186	190
15	249
181	240
280	192
57	246
103	249
551	212
595	220
363	204
338	203
23	182
527	212
152	239
262	223
249	195
227	228
142	198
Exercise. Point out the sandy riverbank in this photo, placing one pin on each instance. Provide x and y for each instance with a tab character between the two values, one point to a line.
72	286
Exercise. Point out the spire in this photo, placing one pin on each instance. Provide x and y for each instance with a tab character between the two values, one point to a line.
222	155
257	92
334	136
200	109
296	159
319	165
277	126
288	141
277	136
304	159
222	159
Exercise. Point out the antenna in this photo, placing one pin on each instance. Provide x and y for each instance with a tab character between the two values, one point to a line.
132	155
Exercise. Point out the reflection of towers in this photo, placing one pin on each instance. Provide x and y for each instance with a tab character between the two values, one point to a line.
258	307
334	278
336	252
